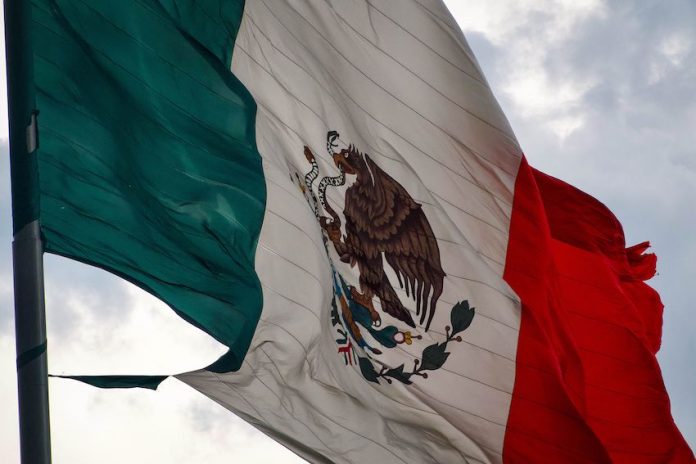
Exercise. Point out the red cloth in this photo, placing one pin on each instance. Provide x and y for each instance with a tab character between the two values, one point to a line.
588	388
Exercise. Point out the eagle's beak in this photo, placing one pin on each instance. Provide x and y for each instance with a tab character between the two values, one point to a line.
341	163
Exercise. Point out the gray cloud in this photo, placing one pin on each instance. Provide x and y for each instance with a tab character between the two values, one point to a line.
71	285
6	295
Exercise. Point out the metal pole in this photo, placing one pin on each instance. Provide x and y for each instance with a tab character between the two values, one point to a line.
30	332
30	319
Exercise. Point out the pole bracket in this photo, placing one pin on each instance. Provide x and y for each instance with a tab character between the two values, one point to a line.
32	133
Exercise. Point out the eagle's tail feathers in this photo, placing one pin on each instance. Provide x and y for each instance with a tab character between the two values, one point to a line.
437	291
427	287
391	303
417	297
398	277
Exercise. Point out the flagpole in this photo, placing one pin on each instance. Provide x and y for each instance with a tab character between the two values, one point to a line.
27	249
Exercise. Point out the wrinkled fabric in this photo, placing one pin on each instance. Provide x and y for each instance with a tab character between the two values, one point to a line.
148	165
588	387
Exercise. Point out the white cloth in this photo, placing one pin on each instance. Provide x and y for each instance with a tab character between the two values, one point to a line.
397	79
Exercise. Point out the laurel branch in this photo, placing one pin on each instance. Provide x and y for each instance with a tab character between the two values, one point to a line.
433	356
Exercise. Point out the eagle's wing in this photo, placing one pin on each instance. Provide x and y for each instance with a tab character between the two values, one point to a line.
415	257
398	228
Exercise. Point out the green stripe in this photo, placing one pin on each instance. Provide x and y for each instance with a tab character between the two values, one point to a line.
148	164
117	381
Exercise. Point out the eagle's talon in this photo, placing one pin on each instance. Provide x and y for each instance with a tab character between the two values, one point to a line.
332	228
366	301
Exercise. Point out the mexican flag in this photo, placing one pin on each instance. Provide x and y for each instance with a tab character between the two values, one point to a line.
330	189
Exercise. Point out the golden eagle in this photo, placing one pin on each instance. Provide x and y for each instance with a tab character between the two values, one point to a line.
382	219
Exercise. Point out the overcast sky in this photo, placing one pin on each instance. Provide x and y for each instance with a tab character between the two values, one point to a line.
600	94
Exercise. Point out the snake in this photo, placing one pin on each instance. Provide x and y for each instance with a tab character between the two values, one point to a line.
309	179
335	181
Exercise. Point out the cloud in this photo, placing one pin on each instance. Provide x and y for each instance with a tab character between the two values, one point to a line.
527	33
6	283
141	426
135	333
6	299
505	22
3	88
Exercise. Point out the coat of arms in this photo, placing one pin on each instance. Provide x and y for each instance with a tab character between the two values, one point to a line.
384	226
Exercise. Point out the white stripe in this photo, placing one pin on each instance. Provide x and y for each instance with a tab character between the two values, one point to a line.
395	79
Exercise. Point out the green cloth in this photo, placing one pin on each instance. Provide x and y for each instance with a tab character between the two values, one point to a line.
148	165
118	381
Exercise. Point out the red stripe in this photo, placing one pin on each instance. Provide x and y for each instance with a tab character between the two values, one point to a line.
588	388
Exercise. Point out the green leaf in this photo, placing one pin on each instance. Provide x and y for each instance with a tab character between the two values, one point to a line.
334	313
398	373
368	370
461	316
434	357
